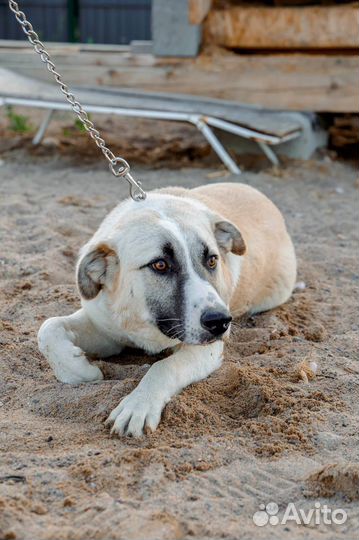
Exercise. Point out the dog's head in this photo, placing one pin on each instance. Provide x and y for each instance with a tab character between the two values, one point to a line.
164	267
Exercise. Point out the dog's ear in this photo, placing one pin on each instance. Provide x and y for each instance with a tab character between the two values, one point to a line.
95	269
229	237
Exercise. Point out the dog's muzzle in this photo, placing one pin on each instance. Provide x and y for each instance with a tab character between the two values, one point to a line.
215	322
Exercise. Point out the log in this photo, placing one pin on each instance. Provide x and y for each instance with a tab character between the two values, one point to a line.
198	10
260	27
293	82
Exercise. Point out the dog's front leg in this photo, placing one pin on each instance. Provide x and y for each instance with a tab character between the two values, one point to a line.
64	342
143	407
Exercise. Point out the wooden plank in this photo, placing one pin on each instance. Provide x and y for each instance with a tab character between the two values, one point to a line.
294	82
72	58
298	82
269	122
69	48
261	27
198	10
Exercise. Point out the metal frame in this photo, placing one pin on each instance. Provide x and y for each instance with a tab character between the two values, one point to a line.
202	123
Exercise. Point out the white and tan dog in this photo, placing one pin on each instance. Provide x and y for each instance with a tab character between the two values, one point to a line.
169	272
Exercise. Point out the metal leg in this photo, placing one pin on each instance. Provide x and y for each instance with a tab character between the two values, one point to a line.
202	124
268	152
43	127
216	145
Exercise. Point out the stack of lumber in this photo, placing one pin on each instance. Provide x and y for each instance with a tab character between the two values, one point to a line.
290	54
323	83
270	54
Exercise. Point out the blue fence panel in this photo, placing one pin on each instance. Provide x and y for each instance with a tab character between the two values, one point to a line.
115	21
49	19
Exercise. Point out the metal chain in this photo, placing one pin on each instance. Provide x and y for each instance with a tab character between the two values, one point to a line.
118	166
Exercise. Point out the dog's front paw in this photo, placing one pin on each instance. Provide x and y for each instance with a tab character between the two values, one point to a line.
137	411
76	369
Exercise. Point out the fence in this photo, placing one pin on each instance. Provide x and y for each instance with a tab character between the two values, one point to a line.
49	19
87	21
113	21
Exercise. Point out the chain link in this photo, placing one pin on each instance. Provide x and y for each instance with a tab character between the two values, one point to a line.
118	166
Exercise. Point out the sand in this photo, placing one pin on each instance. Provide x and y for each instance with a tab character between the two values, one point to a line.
255	432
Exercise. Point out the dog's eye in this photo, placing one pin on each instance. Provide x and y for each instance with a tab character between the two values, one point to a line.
212	262
160	266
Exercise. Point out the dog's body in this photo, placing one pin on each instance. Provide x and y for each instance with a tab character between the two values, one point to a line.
163	273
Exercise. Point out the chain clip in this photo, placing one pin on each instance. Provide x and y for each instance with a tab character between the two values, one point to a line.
136	191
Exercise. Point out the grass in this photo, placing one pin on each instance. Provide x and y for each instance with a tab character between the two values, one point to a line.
78	125
18	122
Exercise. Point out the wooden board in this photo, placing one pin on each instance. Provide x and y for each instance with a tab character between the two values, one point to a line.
293	82
263	121
198	10
261	27
67	47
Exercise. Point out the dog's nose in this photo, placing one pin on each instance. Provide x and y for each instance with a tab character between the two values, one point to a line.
215	322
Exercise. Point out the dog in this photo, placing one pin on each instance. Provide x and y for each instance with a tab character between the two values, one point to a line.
170	272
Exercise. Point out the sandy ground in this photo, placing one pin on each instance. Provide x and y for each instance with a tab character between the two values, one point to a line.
253	433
